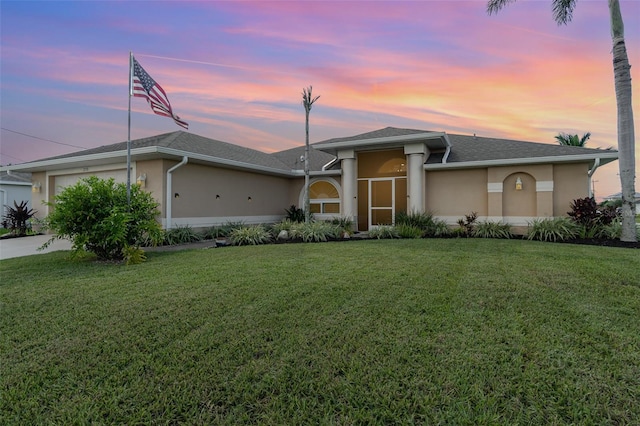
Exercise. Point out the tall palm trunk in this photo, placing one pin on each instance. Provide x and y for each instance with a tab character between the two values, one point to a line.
626	136
307	102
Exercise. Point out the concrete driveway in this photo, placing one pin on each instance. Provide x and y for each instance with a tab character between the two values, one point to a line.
27	246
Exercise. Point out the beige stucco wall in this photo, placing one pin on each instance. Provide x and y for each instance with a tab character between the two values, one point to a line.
216	192
156	182
570	182
37	198
456	192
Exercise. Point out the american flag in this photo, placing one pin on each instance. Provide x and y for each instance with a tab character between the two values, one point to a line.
146	87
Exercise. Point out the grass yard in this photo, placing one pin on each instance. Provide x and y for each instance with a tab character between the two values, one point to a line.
364	332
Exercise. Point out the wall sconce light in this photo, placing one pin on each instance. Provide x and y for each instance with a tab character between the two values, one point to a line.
518	184
142	180
36	187
217	196
249	199
176	195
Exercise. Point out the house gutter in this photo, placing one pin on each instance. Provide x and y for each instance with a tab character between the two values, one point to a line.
184	161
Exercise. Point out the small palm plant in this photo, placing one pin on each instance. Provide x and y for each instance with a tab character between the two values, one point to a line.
572	140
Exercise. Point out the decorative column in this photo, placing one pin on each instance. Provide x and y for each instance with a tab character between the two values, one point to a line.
349	184
415	176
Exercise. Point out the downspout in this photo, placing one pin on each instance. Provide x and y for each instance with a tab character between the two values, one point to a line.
596	164
184	161
329	164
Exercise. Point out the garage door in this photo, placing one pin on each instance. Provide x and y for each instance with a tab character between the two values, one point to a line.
120	176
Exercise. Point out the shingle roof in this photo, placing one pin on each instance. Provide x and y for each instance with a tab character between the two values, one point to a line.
293	158
472	148
189	142
18	177
380	133
464	149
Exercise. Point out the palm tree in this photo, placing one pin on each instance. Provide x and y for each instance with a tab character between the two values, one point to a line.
572	140
562	14
307	102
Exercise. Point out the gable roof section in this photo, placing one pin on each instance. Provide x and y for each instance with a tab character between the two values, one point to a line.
169	145
385	138
469	151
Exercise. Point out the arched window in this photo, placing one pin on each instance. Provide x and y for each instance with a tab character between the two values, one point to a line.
324	198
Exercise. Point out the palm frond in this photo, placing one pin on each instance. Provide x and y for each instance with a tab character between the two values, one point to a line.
563	11
494	6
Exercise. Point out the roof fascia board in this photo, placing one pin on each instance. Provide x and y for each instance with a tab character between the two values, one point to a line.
605	158
224	162
13	182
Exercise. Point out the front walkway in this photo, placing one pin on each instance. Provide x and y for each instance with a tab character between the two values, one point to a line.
27	246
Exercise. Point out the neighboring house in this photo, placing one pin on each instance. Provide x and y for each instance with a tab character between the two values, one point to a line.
14	187
368	177
618	196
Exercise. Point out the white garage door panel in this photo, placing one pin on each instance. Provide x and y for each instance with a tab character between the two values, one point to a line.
120	176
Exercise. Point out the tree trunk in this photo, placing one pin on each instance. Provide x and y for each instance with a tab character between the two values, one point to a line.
626	136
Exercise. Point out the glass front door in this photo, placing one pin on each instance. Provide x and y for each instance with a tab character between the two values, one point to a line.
381	206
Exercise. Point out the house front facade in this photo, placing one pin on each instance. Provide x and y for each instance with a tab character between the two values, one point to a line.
369	178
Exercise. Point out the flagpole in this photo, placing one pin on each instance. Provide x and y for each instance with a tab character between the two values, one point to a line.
129	131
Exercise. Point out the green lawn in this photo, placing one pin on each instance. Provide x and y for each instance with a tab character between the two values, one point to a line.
363	332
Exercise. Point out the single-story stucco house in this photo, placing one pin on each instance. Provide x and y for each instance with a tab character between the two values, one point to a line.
15	187
369	177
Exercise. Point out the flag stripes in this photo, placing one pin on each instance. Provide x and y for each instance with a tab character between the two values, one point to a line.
143	86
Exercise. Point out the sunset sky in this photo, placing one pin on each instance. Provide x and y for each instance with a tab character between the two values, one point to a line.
235	71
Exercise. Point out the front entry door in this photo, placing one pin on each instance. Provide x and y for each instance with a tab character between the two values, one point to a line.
381	202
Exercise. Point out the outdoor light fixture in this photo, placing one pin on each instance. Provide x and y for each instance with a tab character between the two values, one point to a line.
142	180
518	184
249	199
176	195
217	196
35	187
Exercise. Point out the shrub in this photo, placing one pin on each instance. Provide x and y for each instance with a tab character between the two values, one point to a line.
295	214
488	229
214	232
283	225
17	218
249	235
467	225
440	228
552	229
419	220
344	224
181	235
383	232
94	215
406	230
314	231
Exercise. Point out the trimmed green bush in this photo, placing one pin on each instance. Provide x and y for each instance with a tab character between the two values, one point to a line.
487	229
250	235
93	214
552	229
